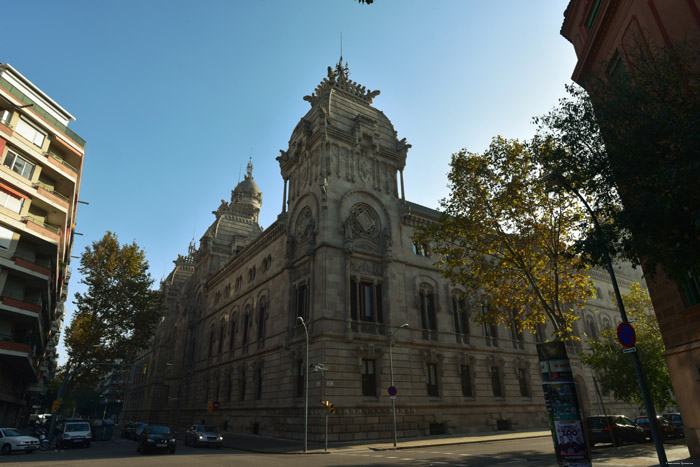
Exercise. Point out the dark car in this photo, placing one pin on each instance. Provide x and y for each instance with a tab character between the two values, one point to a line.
137	431
668	430
156	437
203	435
617	427
129	430
675	419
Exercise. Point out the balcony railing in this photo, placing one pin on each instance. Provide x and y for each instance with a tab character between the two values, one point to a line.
61	160
41	223
50	189
19	301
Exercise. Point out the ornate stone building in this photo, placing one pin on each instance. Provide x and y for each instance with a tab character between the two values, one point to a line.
230	351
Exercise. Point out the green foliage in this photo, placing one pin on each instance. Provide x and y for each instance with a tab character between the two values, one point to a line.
508	240
117	315
649	115
616	369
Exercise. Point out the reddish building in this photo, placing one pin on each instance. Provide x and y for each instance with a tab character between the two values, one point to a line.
602	33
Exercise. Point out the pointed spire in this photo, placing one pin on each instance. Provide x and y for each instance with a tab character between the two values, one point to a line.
249	168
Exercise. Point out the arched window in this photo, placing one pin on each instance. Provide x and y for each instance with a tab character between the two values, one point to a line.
262	317
222	334
232	338
461	317
246	323
428	312
212	336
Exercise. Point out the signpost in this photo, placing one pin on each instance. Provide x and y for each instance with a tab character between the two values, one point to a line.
626	335
392	392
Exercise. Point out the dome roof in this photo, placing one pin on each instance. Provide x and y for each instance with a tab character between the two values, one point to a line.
247	186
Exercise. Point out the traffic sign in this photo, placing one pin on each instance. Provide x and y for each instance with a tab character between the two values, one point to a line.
629	350
392	390
626	335
216	404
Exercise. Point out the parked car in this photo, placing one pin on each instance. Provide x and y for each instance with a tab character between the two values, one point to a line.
617	427
13	440
137	431
73	432
675	419
203	435
128	430
156	437
668	430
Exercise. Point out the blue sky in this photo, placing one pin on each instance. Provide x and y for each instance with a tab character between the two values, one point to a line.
173	97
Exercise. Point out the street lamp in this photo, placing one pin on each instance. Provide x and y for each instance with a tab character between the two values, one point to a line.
391	375
306	386
558	179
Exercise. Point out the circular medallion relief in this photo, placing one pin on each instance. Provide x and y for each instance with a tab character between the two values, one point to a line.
364	221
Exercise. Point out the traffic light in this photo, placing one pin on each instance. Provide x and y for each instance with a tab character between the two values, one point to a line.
331	408
145	368
56	405
210	406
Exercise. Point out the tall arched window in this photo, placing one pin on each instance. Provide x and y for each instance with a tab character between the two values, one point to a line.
428	313
212	336
262	317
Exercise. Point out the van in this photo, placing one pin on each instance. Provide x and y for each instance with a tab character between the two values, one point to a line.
73	432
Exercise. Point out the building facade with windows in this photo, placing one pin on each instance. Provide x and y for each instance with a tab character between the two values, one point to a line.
605	34
341	256
40	168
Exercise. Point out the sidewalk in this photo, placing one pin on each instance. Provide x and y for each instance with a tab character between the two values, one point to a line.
639	455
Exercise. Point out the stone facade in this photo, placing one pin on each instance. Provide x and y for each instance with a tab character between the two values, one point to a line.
340	256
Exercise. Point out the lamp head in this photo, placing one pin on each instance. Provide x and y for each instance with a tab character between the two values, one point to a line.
404	325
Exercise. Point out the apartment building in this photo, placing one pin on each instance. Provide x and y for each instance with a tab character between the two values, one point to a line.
40	167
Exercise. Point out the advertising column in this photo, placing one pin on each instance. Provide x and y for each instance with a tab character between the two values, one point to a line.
563	410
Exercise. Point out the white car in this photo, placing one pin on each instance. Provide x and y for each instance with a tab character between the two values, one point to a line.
11	440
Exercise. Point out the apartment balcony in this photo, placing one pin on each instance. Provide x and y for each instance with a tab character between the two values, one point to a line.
40	267
37	225
13	301
61	164
52	195
19	356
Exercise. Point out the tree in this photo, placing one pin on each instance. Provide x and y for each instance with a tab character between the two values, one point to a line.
117	315
505	238
643	179
616	370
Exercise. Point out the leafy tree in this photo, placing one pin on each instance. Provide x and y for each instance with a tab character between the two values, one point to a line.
117	315
643	179
616	370
507	240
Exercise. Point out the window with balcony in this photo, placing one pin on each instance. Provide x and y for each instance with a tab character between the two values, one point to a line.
427	312
369	378
461	318
5	117
10	201
497	381
19	164
6	236
466	380
522	381
299	380
366	300
421	249
301	299
432	380
30	133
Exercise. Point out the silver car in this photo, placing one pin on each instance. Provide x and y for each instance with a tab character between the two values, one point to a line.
203	435
13	440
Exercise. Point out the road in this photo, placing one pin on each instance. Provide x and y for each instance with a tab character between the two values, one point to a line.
522	452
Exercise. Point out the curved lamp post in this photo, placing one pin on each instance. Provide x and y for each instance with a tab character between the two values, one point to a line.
391	375
300	320
559	180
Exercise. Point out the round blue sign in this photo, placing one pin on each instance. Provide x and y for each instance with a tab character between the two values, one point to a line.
392	390
626	335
